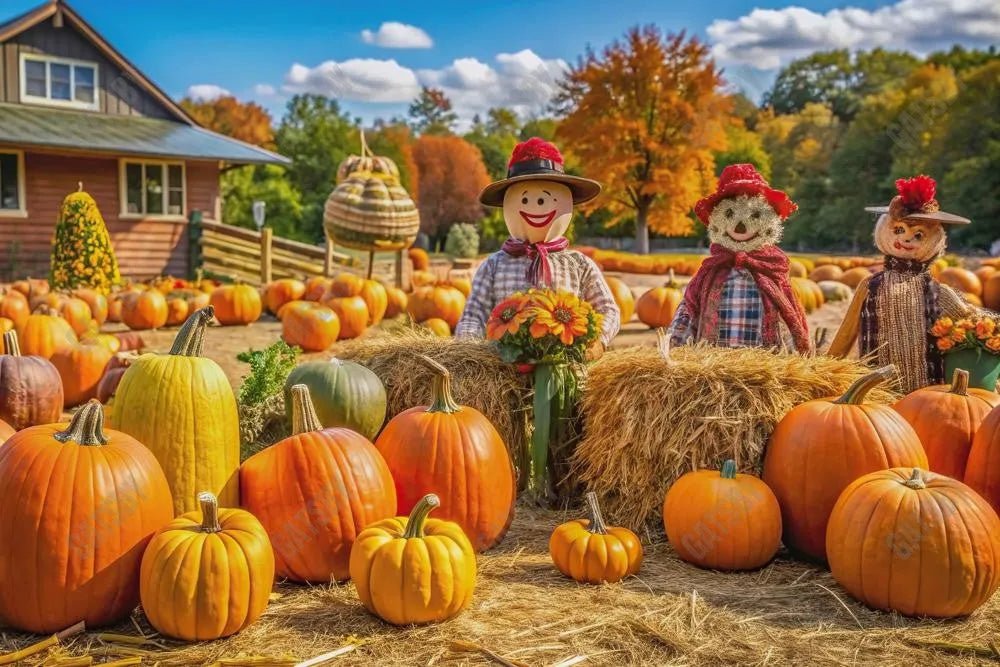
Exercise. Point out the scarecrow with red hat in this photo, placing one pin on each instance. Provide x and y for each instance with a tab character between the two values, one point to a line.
894	309
742	295
537	198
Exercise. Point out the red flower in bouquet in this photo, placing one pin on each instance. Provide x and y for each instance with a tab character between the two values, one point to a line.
560	314
508	316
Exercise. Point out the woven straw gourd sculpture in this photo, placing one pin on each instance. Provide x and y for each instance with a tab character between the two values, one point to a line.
369	209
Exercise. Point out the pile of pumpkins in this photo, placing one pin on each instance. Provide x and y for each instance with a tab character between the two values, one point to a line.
168	301
900	501
629	262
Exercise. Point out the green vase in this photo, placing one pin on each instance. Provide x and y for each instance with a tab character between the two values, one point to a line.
983	367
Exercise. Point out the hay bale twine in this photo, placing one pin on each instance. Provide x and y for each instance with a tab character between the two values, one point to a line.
648	419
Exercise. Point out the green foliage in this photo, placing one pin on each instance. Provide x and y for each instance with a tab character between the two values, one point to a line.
743	146
269	368
495	139
462	241
267	183
431	112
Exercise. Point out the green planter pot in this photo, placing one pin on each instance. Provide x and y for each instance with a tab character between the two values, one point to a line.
983	367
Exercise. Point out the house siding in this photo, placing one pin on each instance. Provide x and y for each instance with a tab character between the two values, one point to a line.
118	93
145	248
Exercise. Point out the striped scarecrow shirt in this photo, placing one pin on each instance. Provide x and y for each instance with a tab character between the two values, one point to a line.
741	315
500	275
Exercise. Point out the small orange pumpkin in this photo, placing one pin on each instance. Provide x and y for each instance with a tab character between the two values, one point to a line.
279	292
352	313
345	284
441	301
438	326
44	333
81	368
14	306
376	299
656	307
396	304
311	326
236	304
144	310
962	280
623	297
98	304
590	551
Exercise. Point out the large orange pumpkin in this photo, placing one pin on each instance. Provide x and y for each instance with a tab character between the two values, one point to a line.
455	452
916	543
396	302
962	280
982	471
823	445
946	418
81	368
279	292
352	313
44	333
236	304
376	299
623	297
657	306
722	520
441	301
31	391
314	492
14	306
92	498
311	326
144	310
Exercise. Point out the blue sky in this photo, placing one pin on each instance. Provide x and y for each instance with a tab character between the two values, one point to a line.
484	53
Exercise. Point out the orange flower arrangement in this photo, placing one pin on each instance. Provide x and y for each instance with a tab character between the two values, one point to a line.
978	332
543	325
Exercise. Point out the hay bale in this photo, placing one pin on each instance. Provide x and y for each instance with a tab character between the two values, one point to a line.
647	421
262	425
478	378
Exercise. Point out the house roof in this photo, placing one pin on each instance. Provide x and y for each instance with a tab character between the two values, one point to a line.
26	125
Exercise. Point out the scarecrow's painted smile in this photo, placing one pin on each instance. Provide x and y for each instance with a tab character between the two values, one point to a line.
740	233
538	219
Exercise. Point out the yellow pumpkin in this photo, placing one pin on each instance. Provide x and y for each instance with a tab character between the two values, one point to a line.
590	551
414	570
207	574
182	407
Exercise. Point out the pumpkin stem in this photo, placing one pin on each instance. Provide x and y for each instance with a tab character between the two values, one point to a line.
671	283
855	394
415	524
728	469
209	512
86	427
11	345
916	480
191	338
663	344
960	382
304	417
441	398
597	524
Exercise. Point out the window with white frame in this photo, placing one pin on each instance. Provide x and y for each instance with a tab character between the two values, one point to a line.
59	81
11	182
153	188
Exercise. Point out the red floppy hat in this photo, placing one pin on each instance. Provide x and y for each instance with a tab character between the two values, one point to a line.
744	179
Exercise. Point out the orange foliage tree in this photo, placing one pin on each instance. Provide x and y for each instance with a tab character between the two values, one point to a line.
226	115
451	175
644	117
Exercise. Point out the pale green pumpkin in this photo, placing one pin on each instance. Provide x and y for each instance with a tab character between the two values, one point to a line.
345	394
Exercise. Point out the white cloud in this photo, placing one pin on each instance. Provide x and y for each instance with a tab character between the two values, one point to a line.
264	90
769	38
206	92
395	35
358	79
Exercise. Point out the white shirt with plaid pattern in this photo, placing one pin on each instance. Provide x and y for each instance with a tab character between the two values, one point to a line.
500	275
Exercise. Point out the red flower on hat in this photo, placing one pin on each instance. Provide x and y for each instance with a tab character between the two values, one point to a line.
744	179
535	149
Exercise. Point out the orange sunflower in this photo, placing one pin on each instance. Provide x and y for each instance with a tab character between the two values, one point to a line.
985	328
508	316
561	314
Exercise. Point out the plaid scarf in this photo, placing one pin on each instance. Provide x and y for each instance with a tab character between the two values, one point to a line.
869	315
539	271
769	268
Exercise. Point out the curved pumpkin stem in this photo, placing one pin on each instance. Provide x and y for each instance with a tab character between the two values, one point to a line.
209	512
415	524
87	426
960	382
11	345
728	469
597	524
916	480
304	417
855	394
191	338
441	398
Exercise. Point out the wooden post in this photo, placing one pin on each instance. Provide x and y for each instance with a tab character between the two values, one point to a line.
328	259
399	269
266	235
194	243
371	263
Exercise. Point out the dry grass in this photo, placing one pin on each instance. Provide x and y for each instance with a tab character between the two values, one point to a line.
525	612
647	421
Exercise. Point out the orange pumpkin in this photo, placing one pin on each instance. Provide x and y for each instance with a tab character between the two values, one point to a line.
722	520
441	301
437	326
345	284
396	302
279	292
916	543
31	287
311	326
590	551
98	304
177	311
972	299
657	306
198	301
962	280
982	471
991	292
113	374
314	492
797	269
853	277
984	273
236	304
115	306
144	310
93	498
109	341
463	285
352	313
44	333
826	272
316	288
623	297
821	446
376	299
455	452
14	306
81	368
421	260
946	418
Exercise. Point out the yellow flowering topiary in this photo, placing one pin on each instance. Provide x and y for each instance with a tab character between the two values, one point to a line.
82	255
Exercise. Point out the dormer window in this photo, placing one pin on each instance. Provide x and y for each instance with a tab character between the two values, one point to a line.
59	82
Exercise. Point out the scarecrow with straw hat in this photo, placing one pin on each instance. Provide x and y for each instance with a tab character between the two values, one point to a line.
537	198
741	295
893	310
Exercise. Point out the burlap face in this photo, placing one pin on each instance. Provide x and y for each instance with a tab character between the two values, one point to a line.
744	224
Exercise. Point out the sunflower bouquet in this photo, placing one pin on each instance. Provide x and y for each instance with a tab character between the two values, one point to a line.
973	344
546	332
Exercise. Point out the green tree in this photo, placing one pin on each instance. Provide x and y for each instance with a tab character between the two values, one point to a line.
267	183
743	146
543	128
431	112
495	139
961	59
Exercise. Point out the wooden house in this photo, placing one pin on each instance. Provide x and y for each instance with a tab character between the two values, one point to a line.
73	109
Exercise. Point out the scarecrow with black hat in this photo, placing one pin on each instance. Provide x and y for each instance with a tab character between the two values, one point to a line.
537	198
741	294
893	310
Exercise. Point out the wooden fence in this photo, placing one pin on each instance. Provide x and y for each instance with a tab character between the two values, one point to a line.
255	257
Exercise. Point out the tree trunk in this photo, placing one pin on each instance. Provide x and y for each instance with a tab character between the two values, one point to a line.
641	232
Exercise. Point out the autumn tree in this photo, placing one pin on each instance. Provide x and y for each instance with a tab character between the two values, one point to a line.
644	117
394	140
226	115
431	112
452	174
